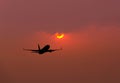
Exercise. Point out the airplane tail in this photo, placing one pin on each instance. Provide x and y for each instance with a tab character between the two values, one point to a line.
38	47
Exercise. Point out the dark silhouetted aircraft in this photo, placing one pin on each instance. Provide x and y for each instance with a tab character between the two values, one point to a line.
45	49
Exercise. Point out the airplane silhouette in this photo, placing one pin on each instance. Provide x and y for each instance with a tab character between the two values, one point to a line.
45	49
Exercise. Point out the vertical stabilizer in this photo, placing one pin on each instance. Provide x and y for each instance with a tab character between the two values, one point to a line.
38	47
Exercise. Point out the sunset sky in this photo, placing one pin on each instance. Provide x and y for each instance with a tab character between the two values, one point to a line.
91	43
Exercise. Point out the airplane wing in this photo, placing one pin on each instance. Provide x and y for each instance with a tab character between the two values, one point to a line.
31	50
54	50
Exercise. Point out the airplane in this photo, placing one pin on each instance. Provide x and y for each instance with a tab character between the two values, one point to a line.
45	49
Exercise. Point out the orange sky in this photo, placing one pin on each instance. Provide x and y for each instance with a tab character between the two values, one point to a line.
91	54
91	46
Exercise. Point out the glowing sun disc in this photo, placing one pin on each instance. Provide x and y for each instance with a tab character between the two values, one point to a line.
59	35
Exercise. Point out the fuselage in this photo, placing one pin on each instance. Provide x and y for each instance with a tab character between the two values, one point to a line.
43	50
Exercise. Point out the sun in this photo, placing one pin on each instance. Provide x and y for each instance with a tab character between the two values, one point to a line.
59	35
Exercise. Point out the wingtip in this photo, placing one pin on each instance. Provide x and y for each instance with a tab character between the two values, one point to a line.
24	49
61	48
